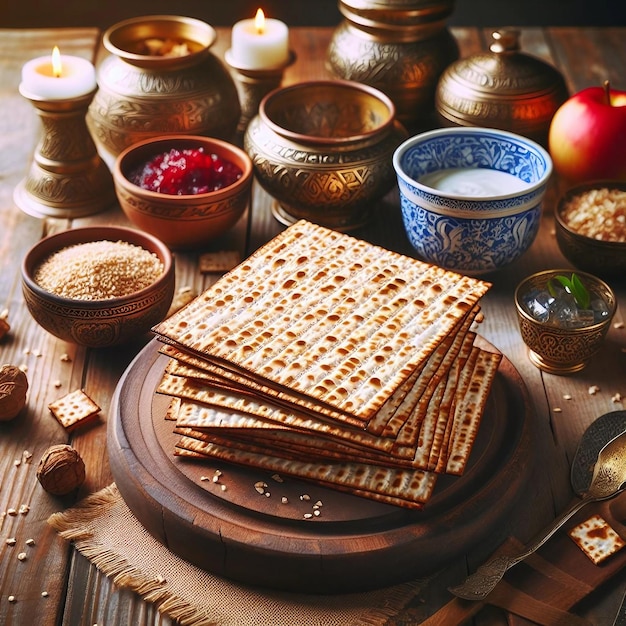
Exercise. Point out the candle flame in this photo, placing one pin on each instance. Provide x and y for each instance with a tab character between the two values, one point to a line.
259	21
57	66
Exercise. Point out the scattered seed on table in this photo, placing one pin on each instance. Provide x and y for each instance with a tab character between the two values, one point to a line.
30	542
11	541
44	594
593	390
557	409
21	556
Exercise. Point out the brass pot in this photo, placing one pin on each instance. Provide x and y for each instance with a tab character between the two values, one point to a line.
502	88
143	93
323	150
400	47
557	349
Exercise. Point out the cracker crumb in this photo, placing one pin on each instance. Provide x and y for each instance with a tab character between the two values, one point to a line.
65	358
21	556
616	397
11	541
593	390
11	512
17	462
24	509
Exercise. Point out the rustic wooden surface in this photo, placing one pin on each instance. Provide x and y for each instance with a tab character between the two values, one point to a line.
76	592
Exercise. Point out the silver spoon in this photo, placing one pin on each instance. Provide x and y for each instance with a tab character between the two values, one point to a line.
608	480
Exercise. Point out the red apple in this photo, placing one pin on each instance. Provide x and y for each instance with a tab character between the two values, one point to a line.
587	139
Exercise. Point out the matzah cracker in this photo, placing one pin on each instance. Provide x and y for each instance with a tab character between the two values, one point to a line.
221	261
74	409
470	408
331	317
596	538
406	487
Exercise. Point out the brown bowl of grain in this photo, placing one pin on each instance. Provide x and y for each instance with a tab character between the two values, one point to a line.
590	224
98	286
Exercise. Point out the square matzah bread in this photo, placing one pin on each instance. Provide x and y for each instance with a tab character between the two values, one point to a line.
326	315
596	538
74	409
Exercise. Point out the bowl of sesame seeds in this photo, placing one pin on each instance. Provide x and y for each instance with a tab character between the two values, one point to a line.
590	226
98	286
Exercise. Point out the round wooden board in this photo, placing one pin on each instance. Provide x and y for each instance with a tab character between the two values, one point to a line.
228	528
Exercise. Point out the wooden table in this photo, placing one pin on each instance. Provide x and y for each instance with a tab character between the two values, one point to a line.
77	592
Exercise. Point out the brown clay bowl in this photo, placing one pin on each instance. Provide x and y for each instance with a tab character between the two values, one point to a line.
601	257
98	323
182	221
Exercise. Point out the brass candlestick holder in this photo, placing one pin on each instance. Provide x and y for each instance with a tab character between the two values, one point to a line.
253	85
67	177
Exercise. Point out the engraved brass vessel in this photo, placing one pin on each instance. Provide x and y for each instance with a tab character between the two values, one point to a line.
67	177
501	88
143	95
556	349
323	149
401	47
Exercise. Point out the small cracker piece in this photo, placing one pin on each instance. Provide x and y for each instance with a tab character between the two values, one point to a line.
74	409
221	261
596	538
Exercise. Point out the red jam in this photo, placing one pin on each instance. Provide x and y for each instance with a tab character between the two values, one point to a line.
186	172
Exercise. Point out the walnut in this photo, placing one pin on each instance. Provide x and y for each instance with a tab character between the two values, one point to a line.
4	328
13	388
61	470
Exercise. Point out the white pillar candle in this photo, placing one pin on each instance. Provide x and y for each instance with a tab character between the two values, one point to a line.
58	77
260	43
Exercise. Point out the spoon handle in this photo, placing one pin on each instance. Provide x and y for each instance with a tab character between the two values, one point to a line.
478	585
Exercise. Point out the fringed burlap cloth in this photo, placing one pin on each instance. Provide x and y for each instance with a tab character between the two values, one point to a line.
103	529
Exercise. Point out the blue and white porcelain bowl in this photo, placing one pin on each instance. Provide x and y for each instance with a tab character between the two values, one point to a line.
471	197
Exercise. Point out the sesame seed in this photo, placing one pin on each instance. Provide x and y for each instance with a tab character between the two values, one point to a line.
98	270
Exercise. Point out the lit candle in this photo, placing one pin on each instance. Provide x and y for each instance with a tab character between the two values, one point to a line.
58	77
260	43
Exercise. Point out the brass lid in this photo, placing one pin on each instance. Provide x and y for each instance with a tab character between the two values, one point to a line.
502	88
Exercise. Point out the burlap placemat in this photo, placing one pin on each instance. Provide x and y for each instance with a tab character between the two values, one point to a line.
103	529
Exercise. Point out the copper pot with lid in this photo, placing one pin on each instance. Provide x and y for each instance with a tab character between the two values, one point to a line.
502	88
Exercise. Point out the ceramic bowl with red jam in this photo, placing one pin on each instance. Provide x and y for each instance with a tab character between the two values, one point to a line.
185	189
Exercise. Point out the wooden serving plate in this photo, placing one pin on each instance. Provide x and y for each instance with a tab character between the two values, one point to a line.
354	544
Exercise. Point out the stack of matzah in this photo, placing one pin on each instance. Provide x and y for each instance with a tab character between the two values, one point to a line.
333	360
